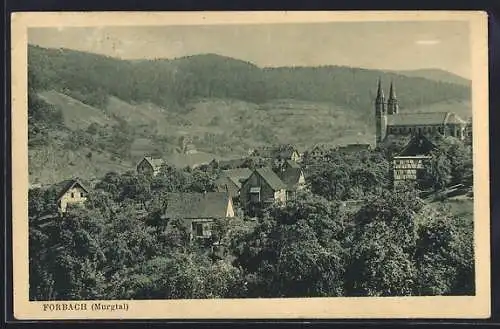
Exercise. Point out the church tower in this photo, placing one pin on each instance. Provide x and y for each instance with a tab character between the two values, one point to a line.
380	114
392	102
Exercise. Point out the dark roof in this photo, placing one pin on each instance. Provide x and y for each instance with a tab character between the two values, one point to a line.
232	163
321	148
65	185
197	205
237	175
155	163
271	178
290	177
354	147
423	118
418	145
280	152
292	164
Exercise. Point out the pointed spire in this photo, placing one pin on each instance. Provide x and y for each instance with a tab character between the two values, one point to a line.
380	91
392	102
392	91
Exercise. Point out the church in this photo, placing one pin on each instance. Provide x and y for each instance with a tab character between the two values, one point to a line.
390	122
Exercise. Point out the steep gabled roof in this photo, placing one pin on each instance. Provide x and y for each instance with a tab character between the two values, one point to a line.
415	119
291	176
321	147
197	205
155	163
237	175
271	178
418	145
65	185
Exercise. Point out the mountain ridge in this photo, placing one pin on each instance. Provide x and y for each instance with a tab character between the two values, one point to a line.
421	72
438	75
113	110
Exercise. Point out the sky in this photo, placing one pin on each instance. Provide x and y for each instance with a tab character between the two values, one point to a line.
374	45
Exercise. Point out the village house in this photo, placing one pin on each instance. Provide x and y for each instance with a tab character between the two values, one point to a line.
230	181
318	151
70	192
262	188
293	176
352	148
280	152
228	164
411	163
198	211
149	166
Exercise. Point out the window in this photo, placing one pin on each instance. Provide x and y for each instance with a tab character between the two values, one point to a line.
72	195
198	229
207	230
255	194
202	230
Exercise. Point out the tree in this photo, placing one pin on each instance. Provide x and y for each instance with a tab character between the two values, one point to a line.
41	202
72	257
339	176
383	239
438	174
111	183
459	157
181	275
294	251
444	254
127	242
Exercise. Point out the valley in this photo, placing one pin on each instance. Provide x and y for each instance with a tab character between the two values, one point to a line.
220	106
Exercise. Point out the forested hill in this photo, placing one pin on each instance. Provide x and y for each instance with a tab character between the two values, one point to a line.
90	114
172	83
438	75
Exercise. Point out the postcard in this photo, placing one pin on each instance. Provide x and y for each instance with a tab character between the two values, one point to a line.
250	165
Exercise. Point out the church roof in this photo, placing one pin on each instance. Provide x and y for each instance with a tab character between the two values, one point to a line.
423	118
453	118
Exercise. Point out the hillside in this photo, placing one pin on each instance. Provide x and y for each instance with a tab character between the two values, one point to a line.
437	75
119	110
173	83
